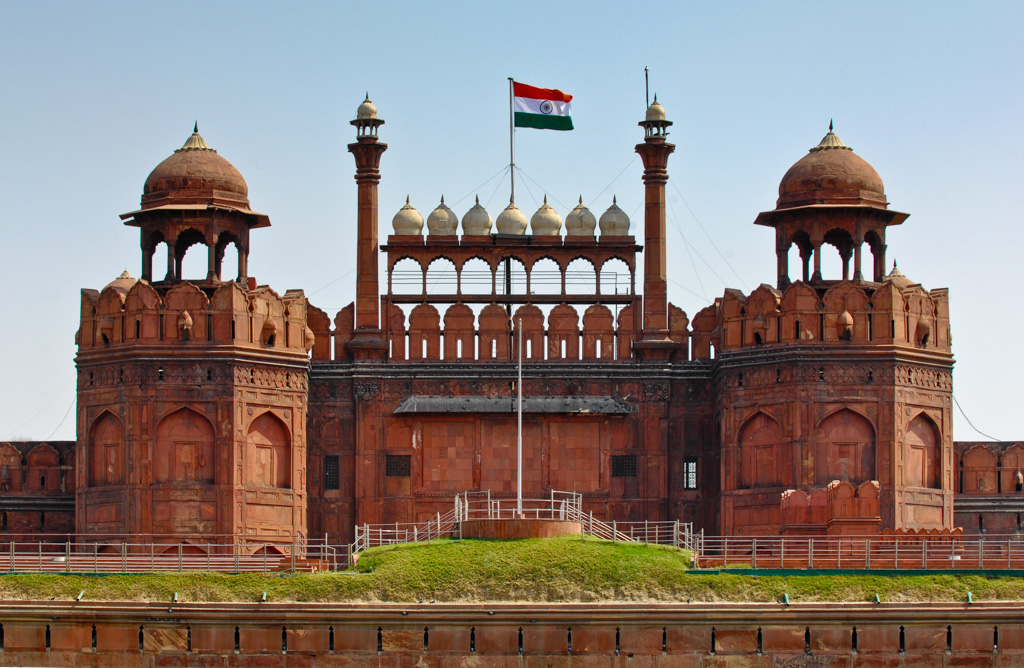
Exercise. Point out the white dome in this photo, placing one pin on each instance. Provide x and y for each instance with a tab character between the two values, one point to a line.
511	220
546	222
655	112
614	221
408	221
442	220
580	222
476	222
366	110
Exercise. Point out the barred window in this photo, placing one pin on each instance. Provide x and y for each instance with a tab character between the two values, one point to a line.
623	466
398	466
332	478
690	473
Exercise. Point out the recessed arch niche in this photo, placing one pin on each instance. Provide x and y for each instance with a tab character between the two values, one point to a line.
845	449
268	452
184	450
106	451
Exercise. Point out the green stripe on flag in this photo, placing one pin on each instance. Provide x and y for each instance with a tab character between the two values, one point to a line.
542	121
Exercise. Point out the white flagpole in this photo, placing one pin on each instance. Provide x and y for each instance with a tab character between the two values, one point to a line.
519	428
511	138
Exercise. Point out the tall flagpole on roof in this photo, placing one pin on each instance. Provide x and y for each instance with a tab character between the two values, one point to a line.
511	138
647	88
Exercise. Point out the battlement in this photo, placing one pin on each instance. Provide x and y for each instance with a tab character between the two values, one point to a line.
187	315
895	312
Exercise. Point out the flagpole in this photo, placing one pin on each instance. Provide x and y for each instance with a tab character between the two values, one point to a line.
519	427
511	138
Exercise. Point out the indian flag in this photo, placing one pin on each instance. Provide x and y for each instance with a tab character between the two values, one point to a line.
544	108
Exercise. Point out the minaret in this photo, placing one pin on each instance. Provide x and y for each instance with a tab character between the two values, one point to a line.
367	342
654	343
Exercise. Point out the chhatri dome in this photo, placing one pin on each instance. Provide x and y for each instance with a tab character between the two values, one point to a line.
366	110
477	222
546	222
408	221
580	222
614	222
122	283
831	173
511	220
195	172
442	220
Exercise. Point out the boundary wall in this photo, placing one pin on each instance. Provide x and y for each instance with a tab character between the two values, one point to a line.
507	634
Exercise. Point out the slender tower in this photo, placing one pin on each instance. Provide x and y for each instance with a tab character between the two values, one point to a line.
367	342
654	343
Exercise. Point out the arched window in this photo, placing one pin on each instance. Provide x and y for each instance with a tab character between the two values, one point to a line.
760	452
845	449
545	277
184	451
268	452
106	451
923	462
406	277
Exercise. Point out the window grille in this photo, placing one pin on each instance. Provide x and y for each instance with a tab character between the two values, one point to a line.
623	466
398	466
690	473
332	477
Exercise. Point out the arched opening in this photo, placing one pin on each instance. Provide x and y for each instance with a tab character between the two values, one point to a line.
228	267
184	451
154	258
406	277
877	246
580	277
760	452
837	265
845	449
441	277
510	277
476	277
923	462
800	253
616	278
106	451
545	277
194	265
268	451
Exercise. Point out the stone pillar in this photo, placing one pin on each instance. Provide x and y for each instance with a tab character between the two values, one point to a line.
654	341
368	341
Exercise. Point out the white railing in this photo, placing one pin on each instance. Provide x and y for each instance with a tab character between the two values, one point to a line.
878	552
556	506
139	553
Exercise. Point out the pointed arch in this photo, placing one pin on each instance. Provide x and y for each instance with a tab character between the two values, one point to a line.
184	448
268	452
845	449
106	451
979	468
923	463
760	443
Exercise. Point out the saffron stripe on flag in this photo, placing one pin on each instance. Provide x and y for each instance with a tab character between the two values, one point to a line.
522	90
542	122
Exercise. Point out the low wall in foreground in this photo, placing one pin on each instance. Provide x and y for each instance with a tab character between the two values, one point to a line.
558	635
519	528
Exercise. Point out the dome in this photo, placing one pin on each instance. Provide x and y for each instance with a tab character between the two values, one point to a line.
511	220
122	283
655	112
442	220
545	222
614	221
366	110
831	173
195	167
580	222
408	221
476	222
897	278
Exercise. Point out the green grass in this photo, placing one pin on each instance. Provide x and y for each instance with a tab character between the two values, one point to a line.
559	569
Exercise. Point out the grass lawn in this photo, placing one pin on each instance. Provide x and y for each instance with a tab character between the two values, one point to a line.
557	569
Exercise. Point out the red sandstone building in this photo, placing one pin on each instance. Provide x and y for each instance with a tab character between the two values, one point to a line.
211	405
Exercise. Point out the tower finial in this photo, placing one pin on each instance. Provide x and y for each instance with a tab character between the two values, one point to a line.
195	128
830	125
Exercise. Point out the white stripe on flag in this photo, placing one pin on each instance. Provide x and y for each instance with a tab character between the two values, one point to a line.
531	105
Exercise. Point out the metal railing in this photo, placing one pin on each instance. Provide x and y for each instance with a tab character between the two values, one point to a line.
556	506
879	552
140	553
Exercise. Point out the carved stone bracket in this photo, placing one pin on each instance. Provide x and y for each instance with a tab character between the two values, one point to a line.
366	390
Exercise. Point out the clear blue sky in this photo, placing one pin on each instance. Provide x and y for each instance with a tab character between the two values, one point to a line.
96	94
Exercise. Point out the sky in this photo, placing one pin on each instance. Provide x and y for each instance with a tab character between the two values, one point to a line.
97	94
